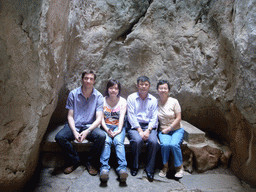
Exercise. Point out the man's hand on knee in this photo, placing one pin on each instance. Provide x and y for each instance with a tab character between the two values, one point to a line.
146	135
141	133
84	134
76	135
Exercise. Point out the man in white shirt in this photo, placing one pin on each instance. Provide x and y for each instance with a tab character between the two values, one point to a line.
142	116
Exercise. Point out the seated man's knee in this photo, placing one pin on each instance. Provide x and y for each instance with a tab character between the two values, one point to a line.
58	138
102	136
153	141
137	142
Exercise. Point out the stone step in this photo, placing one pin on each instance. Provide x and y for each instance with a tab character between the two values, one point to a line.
192	134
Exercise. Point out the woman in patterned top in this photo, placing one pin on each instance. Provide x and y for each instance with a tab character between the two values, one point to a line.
114	109
170	130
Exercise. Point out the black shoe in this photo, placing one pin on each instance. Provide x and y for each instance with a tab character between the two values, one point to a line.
150	176
134	172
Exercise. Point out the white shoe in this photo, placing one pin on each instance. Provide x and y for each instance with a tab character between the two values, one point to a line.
162	173
179	173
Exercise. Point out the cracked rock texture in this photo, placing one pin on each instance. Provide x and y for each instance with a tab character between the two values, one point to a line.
32	57
205	48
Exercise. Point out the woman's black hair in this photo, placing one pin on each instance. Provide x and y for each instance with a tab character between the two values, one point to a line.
111	83
161	82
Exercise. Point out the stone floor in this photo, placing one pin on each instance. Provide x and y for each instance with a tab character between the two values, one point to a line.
54	180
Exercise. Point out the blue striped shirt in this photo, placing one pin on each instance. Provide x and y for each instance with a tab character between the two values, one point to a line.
84	110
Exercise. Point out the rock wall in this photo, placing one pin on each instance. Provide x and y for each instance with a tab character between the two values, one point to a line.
205	48
32	57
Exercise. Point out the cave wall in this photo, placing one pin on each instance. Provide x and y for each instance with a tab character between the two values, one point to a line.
205	48
32	57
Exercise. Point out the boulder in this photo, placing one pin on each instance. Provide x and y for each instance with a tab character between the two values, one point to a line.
210	154
32	57
188	156
225	156
201	152
205	157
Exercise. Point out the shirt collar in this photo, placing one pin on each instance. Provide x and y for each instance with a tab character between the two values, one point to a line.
149	96
80	92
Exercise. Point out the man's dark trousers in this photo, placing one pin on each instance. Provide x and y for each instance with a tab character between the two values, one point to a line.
137	143
97	136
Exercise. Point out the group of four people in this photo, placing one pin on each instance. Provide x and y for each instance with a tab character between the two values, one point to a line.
88	109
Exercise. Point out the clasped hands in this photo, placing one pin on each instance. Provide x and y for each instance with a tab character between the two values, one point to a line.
112	133
81	136
144	134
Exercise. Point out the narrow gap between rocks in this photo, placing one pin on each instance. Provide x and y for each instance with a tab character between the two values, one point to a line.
123	36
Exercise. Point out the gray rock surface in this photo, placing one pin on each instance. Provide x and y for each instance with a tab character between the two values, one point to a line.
205	48
32	57
218	180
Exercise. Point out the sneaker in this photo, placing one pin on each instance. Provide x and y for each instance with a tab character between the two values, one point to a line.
104	175
92	171
179	173
123	175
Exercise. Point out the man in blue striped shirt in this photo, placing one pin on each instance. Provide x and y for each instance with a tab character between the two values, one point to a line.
85	112
142	116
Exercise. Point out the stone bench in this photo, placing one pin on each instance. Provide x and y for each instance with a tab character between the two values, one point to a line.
199	152
51	152
192	135
49	144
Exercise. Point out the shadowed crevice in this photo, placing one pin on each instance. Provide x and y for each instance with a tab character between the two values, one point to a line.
123	36
204	11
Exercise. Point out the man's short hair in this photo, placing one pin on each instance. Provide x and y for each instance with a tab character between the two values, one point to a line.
142	79
89	71
161	82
